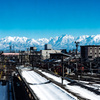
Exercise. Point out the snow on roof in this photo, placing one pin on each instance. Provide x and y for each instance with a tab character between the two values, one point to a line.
45	90
76	89
10	54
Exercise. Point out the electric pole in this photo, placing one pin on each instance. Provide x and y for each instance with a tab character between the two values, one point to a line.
77	44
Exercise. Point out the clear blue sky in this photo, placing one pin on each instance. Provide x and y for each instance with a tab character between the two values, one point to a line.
49	18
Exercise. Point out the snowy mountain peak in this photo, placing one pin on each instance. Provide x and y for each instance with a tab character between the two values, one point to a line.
96	38
58	42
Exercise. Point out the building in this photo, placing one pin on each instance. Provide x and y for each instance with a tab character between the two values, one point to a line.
48	47
90	52
58	55
45	54
9	58
64	51
30	57
23	57
34	58
32	49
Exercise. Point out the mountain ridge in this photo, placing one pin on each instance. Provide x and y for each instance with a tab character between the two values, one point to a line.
58	42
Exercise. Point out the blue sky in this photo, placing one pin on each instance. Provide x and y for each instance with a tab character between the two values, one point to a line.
49	18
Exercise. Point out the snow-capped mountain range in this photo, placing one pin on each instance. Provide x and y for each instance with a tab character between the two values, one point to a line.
61	42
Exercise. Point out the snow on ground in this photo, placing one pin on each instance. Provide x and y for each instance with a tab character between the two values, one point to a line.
90	84
3	92
44	89
93	85
83	92
76	89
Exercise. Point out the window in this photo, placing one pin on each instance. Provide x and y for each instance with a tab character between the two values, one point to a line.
89	56
95	50
95	55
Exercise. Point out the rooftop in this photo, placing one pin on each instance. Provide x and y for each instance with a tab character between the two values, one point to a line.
90	46
10	54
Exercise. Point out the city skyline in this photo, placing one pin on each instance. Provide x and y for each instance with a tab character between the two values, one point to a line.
49	18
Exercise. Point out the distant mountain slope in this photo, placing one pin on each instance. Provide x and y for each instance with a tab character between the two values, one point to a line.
61	42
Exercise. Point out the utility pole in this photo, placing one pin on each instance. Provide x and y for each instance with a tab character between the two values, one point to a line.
13	49
91	67
10	48
48	65
77	44
62	63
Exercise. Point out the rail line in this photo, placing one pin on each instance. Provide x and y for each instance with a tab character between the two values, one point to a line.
59	84
76	83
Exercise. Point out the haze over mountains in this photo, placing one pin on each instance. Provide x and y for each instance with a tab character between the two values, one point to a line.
61	42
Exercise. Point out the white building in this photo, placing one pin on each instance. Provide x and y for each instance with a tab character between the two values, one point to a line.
48	47
45	54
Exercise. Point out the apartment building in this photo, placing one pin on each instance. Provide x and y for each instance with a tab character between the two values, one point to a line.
90	52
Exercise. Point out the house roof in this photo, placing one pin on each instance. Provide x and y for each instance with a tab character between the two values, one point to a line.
10	54
63	54
90	46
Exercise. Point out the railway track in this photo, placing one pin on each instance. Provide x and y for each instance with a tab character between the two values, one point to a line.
92	89
70	87
84	85
60	84
92	79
